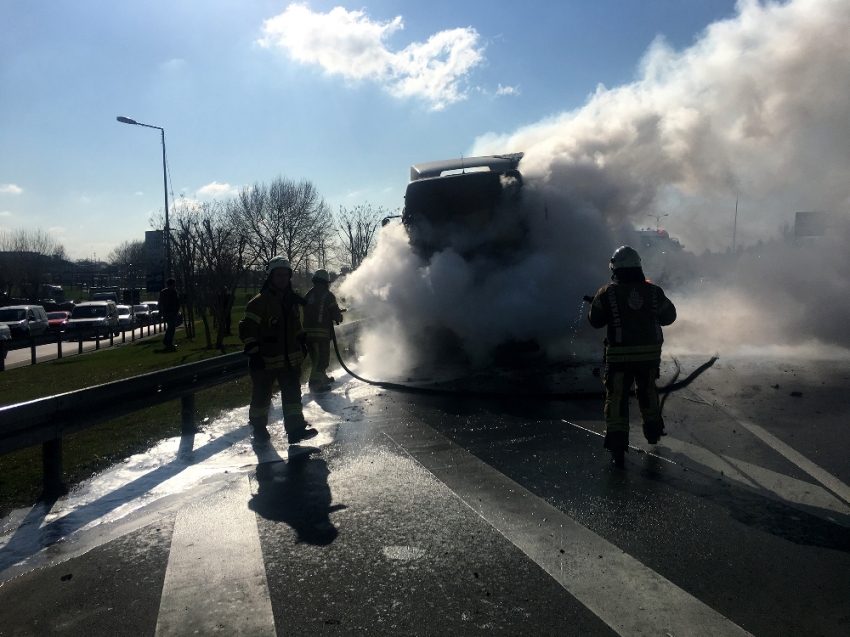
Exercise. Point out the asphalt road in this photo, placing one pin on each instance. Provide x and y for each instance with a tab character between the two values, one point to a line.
435	515
23	356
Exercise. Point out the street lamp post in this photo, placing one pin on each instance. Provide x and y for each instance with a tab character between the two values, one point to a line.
127	120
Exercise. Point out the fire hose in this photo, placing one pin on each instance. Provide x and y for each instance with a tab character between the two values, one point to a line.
672	386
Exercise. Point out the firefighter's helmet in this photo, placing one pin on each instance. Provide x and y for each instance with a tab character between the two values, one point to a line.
278	262
321	275
625	257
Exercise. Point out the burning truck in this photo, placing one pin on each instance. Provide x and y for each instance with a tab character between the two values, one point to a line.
468	204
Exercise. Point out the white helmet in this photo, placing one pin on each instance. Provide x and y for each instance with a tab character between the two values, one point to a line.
625	257
278	262
322	275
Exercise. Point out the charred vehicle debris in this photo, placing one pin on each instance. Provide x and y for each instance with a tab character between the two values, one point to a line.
469	204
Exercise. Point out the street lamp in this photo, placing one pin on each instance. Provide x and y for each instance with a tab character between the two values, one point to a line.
127	120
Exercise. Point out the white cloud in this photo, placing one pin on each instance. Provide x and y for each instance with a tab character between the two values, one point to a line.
5	213
507	90
174	65
11	189
216	189
348	43
138	193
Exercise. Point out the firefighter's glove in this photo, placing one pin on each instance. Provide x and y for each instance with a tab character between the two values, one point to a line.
255	360
302	341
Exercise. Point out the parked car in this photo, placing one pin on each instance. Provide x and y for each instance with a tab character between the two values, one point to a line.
5	336
57	321
24	320
153	306
143	313
126	316
92	316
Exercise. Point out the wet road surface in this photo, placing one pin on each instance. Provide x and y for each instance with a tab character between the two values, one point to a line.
422	515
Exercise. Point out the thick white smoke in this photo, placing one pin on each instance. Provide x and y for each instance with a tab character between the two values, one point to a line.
757	108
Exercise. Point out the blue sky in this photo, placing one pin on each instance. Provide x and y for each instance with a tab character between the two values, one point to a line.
236	110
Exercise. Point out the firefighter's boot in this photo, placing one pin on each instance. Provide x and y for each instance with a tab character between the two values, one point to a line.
297	429
260	431
653	431
318	385
617	442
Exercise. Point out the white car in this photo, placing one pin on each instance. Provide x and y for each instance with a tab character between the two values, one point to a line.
126	315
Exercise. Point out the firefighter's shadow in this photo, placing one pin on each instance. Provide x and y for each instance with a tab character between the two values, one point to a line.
296	492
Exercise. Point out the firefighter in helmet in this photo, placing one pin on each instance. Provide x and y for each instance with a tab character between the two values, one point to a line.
634	311
320	313
276	346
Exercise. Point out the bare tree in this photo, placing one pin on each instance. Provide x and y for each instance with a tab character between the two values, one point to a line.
222	252
286	218
129	257
27	258
184	236
357	230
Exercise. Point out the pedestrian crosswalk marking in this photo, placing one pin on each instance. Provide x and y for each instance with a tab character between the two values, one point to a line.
628	596
215	581
825	478
806	496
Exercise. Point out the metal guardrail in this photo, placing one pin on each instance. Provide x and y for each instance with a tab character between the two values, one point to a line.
78	336
46	420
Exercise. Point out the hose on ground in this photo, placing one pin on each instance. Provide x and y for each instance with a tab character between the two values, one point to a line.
672	386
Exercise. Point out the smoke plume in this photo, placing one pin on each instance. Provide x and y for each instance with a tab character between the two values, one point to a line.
756	110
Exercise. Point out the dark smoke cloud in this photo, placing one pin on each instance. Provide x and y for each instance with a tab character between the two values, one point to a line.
757	108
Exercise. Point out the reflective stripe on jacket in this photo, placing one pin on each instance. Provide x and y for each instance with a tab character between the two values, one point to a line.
320	312
634	313
273	321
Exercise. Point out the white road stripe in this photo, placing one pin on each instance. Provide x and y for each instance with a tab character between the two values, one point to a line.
826	479
812	498
790	489
215	582
631	598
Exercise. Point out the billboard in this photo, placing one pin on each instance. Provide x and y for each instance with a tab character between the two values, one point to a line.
154	261
819	224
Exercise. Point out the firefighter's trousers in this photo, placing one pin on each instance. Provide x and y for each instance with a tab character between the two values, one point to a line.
289	380
320	358
618	381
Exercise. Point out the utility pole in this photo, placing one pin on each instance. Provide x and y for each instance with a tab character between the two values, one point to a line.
735	226
657	219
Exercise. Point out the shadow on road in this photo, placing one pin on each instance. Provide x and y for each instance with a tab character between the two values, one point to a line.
296	492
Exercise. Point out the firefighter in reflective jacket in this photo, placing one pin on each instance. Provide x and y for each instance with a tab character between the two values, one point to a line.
320	312
634	311
276	346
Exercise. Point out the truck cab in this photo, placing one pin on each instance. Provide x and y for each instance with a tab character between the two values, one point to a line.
469	204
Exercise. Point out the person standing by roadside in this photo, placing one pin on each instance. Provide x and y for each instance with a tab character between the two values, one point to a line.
320	313
169	309
276	346
634	311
